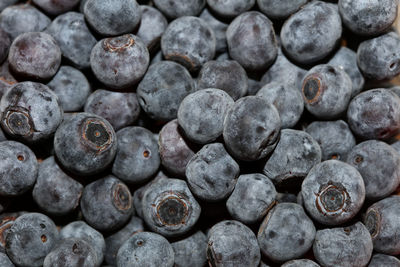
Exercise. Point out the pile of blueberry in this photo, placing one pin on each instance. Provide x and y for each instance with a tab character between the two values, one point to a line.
192	133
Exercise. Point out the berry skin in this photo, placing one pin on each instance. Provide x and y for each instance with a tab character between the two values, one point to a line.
85	144
289	240
5	260
112	17
30	111
31	237
231	243
374	114
120	62
333	192
278	9
18	168
219	29
230	9
253	196
190	251
106	204
312	33
55	7
5	43
379	260
189	41
180	8
252	41
300	263
254	120
145	249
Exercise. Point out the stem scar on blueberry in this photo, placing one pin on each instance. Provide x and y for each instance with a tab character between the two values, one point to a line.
172	211
97	134
312	89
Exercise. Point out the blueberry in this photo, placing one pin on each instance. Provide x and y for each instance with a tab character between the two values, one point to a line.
333	192
379	165
251	128
283	71
5	43
231	243
85	144
7	80
6	221
286	233
212	173
137	156
189	41
169	207
379	260
300	263
163	88
120	62
219	27
312	33
175	150
74	38
152	26
190	251
201	114
287	99
343	246
226	75
31	237
334	138
71	87
230	9
106	204
118	108
6	3
117	239
252	41
286	198
381	219
113	17
18	19
327	91
5	260
253	196
179	8
370	18
56	192
145	249
254	86
374	114
379	58
30	111
396	146
278	9
80	230
71	252
18	168
34	56
294	156
55	7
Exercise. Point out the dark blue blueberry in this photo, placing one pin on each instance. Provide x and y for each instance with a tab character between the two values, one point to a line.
254	86
56	192
226	75
343	246
312	33
5	260
118	108
333	192
6	221
162	89
230	9
85	144
278	9
71	87
169	207
106	204
179	8
251	128
18	168
212	173
6	3
231	243
201	114
219	29
253	196
334	138
286	233
189	41
31	237
112	17
120	62
145	249
74	38
252	41
300	263
7	80
55	7
379	260
374	114
5	43
137	157
190	251
34	56
30	111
